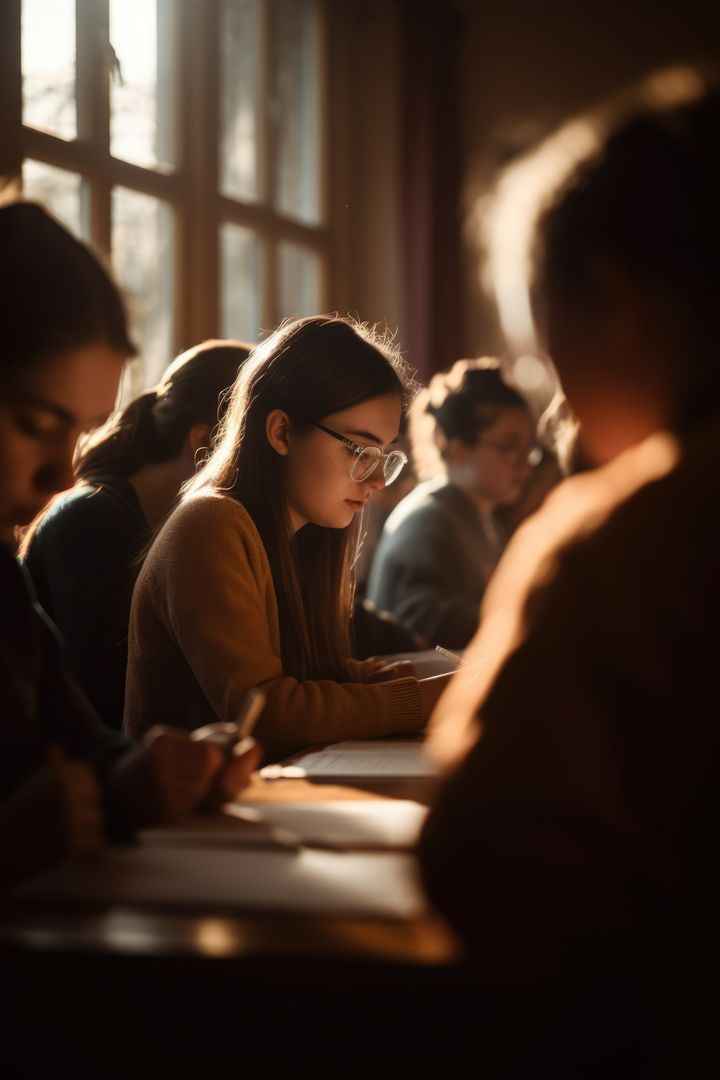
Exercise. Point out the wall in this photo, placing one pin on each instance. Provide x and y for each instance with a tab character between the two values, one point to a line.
527	66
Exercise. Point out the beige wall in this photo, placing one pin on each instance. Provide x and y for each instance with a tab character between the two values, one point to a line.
523	67
526	66
365	175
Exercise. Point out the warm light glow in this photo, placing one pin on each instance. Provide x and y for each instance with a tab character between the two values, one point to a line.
137	129
48	66
507	220
509	224
215	938
530	373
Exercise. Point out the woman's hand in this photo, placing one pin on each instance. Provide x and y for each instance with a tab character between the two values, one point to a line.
55	813
80	803
241	763
380	669
166	776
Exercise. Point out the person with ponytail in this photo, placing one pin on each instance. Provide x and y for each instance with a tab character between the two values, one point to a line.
472	432
250	580
83	554
67	781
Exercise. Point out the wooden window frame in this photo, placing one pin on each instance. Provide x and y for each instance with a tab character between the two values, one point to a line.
192	186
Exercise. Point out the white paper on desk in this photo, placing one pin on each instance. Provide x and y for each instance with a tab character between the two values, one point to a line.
218	830
427	662
352	824
367	759
322	883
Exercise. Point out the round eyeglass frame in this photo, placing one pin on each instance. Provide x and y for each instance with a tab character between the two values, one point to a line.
394	461
532	456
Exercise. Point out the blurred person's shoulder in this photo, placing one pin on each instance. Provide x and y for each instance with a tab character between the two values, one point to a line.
88	501
590	519
422	502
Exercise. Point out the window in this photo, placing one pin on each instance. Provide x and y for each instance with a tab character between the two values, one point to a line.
184	141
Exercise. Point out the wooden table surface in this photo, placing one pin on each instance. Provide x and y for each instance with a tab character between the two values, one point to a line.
119	929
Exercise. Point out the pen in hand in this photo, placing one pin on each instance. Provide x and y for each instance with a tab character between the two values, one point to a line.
253	704
234	738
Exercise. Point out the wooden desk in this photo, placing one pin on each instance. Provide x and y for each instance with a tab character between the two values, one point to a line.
204	969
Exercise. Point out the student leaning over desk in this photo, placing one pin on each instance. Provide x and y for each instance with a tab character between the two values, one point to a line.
250	580
66	780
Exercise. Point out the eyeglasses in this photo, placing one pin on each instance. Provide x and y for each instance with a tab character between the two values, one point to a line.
525	455
367	458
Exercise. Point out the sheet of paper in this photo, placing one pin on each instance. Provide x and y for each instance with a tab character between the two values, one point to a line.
322	883
353	824
428	662
367	758
247	829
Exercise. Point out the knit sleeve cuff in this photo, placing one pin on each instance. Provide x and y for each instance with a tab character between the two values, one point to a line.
403	705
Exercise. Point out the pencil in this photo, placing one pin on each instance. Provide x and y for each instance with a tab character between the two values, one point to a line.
450	655
253	704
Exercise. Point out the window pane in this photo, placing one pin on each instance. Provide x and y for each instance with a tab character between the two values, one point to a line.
240	268
57	189
140	119
48	66
296	109
239	74
142	253
299	281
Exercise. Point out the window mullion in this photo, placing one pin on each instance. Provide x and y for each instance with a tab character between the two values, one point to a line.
93	103
199	227
267	160
324	153
11	134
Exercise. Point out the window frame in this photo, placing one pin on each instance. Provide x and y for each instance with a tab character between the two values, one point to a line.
192	186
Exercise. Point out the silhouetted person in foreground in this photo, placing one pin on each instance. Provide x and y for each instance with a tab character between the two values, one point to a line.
574	841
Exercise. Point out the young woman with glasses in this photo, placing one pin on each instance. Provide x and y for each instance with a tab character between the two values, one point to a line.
441	543
250	581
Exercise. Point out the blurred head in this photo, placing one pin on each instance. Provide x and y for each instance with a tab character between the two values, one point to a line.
482	429
174	418
64	342
624	260
305	484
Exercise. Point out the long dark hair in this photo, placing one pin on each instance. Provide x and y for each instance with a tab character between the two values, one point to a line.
54	293
153	427
309	368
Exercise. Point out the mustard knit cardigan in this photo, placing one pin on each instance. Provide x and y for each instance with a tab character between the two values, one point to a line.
204	628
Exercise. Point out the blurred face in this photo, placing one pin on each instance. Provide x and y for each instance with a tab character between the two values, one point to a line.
318	487
43	411
496	468
616	363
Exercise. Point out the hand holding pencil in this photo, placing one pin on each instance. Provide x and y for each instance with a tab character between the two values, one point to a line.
242	753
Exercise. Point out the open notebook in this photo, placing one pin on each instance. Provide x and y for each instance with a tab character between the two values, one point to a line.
427	662
367	759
